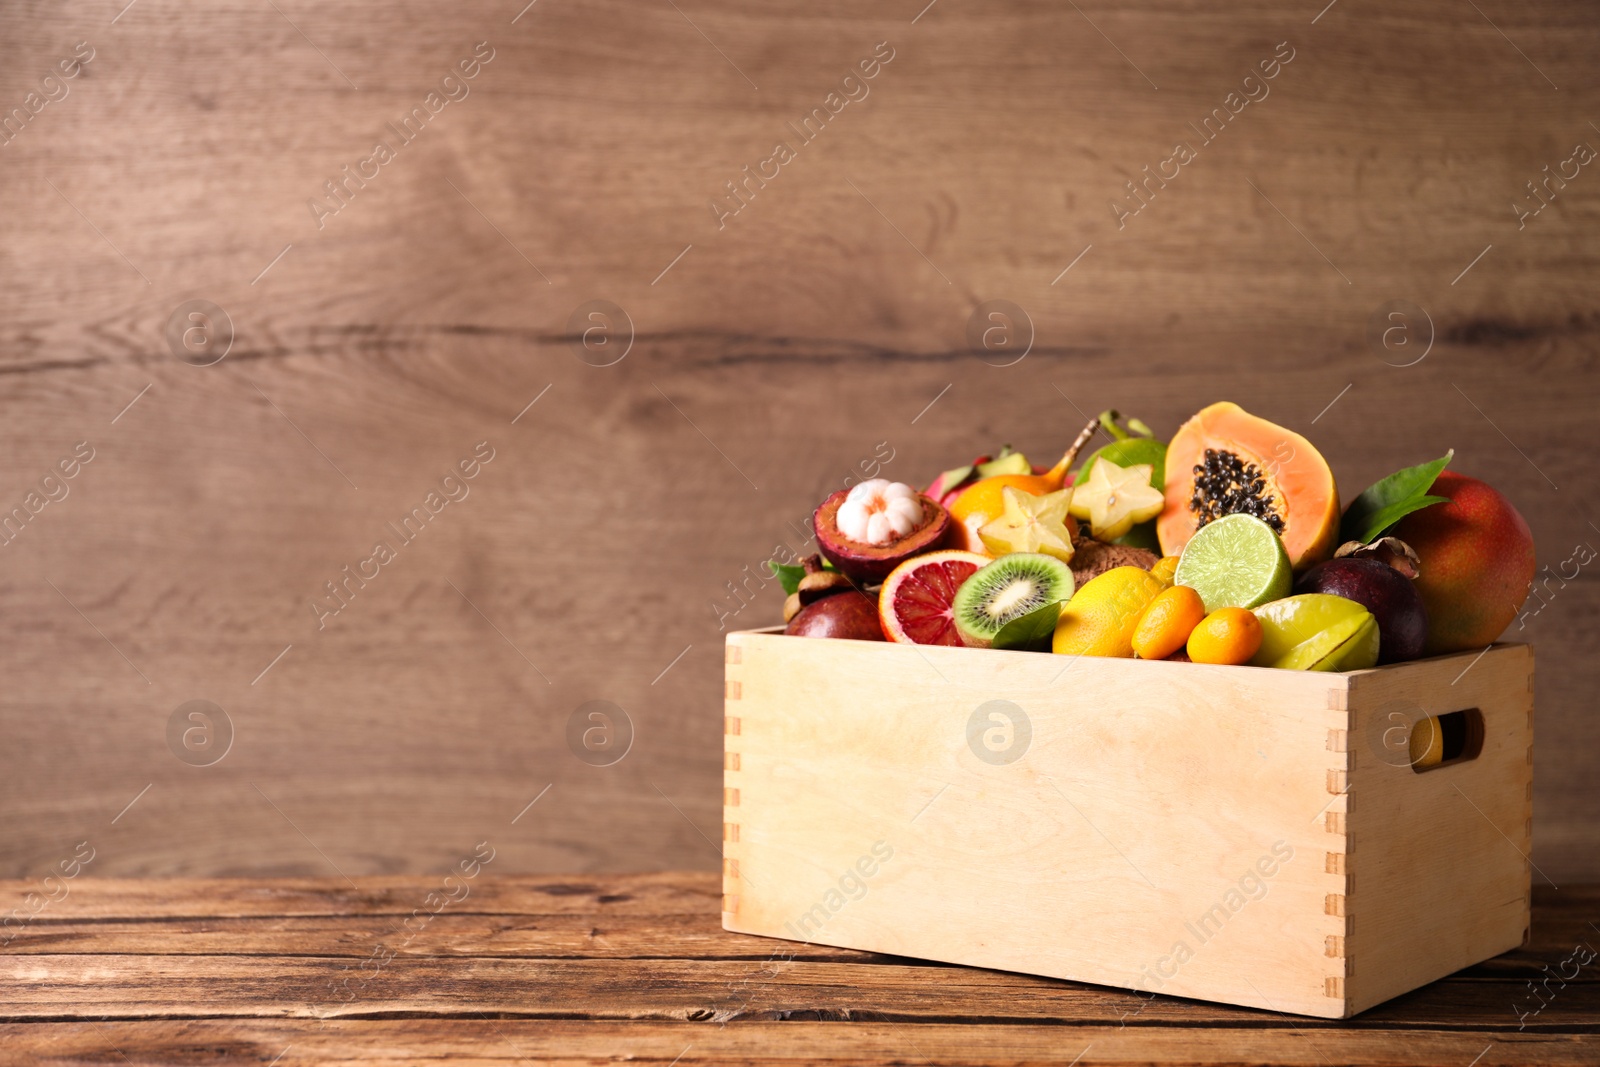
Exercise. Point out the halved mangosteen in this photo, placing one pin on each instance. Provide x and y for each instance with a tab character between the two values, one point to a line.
871	528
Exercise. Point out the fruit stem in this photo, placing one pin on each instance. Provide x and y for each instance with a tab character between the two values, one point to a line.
1108	422
1058	474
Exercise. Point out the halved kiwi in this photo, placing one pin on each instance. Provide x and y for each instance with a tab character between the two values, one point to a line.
1008	589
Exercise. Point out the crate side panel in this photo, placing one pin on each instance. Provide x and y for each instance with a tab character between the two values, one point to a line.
1440	875
1164	826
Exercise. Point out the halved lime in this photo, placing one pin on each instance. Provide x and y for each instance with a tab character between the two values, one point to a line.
1235	562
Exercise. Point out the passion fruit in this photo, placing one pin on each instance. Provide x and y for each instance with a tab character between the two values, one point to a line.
852	616
1392	598
870	529
815	584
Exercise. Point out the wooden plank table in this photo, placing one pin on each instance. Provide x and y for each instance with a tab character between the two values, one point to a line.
596	969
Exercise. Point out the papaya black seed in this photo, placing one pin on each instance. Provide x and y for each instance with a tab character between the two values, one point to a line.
1225	484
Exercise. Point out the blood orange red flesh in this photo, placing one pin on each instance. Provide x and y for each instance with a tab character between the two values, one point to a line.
916	604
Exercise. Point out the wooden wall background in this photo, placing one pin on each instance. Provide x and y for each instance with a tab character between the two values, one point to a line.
774	355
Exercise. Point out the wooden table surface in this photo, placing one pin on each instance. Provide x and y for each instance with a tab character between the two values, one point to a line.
636	967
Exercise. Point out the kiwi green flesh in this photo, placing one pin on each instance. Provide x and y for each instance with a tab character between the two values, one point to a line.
1007	589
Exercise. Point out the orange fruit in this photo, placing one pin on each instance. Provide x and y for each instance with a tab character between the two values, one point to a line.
982	501
1164	569
1167	622
1227	635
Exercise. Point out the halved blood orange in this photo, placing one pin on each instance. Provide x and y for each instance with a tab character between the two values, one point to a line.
916	603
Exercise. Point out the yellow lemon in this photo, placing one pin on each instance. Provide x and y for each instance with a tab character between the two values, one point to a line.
1102	616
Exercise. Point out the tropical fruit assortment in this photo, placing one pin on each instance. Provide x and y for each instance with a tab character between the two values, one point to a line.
1225	544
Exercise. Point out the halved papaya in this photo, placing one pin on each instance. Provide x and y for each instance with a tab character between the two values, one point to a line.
1226	460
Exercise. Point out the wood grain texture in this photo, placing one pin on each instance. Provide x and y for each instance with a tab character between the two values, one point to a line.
770	360
613	916
469	1042
209	971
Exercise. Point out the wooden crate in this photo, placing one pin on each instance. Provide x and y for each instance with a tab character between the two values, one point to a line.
1233	834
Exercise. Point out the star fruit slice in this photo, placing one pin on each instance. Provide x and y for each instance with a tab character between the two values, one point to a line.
1030	523
1114	498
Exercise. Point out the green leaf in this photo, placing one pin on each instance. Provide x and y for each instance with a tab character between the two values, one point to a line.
1030	632
1388	500
788	575
1395	512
